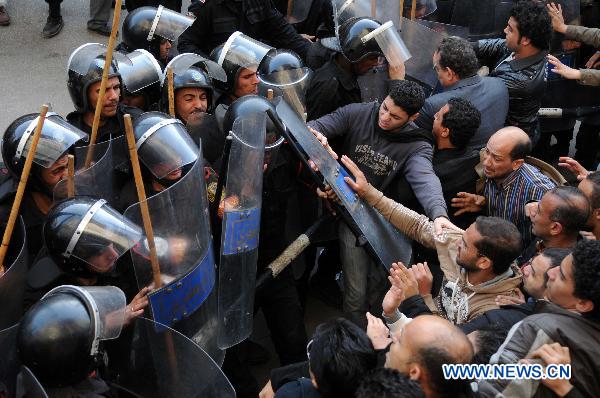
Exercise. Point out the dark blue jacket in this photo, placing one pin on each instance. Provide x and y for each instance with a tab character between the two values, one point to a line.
489	95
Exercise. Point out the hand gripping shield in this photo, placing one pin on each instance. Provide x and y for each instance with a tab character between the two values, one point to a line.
164	363
12	282
373	84
180	220
241	227
386	243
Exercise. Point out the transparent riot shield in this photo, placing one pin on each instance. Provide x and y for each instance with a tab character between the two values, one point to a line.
181	63
297	10
385	243
373	85
422	43
9	363
164	363
484	18
240	231
380	10
139	69
446	29
180	220
12	282
169	24
98	180
29	385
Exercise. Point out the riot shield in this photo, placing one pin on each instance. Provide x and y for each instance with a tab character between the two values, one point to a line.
381	10
297	10
446	29
9	365
422	43
163	363
240	231
373	85
386	243
98	180
484	18
139	69
31	386
169	24
12	283
180	220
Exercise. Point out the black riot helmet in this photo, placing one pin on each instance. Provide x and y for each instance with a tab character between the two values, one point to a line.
240	51
59	338
57	138
85	236
144	27
350	34
85	67
141	75
192	70
164	146
247	105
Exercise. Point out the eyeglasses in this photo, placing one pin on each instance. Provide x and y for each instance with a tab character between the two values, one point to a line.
308	347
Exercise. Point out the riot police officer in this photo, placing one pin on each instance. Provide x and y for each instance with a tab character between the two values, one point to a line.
141	75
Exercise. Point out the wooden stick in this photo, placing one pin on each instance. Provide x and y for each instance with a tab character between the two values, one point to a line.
107	62
401	14
70	176
270	94
14	211
141	191
373	8
290	5
413	10
171	92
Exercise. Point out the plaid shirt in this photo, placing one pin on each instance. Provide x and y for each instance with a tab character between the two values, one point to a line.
507	200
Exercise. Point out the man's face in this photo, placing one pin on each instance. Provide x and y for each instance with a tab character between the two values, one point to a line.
104	261
111	96
541	224
362	67
497	163
191	103
400	353
587	187
166	169
247	82
391	116
444	75
512	35
438	130
560	288
165	46
53	174
534	276
467	254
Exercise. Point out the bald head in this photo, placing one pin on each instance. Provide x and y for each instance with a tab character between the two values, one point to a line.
429	331
505	152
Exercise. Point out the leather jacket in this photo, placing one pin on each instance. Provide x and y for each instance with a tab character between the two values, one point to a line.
525	79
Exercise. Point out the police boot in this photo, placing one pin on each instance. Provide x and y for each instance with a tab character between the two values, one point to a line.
53	26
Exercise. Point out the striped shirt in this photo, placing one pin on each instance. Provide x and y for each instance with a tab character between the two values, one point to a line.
507	200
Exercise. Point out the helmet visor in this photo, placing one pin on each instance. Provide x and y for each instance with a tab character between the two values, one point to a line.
390	43
81	59
169	24
243	51
138	70
183	62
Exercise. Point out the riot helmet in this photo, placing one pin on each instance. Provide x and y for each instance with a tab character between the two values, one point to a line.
85	67
283	72
247	105
350	37
58	137
144	27
141	75
164	146
59	337
86	236
191	70
239	52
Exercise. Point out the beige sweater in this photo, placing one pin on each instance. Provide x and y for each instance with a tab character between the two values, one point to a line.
458	300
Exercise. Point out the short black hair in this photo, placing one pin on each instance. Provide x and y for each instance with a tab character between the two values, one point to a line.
432	360
594	178
533	22
489	339
457	54
388	383
407	95
555	255
572	217
341	352
521	150
463	120
586	273
500	242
